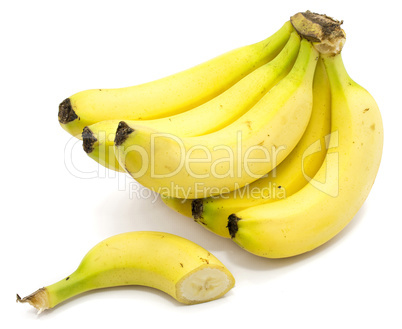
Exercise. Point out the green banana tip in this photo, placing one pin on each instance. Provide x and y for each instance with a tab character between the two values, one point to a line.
66	112
122	133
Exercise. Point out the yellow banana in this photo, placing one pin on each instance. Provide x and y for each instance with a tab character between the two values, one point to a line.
287	178
170	95
206	118
167	262
197	167
320	210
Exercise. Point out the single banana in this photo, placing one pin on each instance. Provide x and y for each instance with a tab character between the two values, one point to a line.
170	95
320	210
242	152
167	262
98	139
288	177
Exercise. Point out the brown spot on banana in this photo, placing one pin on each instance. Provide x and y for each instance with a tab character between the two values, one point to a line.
204	260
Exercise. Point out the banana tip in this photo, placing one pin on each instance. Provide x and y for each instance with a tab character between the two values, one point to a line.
197	208
66	112
122	133
232	225
88	140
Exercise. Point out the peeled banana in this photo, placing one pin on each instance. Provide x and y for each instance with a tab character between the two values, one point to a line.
170	95
164	261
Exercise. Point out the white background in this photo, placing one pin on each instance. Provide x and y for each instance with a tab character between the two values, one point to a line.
57	203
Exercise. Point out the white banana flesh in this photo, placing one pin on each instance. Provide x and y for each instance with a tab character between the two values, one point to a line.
204	285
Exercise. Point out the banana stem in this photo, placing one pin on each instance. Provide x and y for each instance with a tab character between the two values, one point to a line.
52	295
336	71
38	299
323	31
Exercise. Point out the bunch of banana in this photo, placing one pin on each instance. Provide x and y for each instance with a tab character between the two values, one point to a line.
287	178
322	208
229	158
173	94
272	144
167	262
98	138
261	117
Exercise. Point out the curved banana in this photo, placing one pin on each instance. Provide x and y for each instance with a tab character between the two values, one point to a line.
197	167
170	95
288	177
167	262
206	118
320	210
